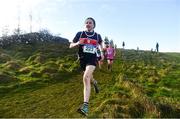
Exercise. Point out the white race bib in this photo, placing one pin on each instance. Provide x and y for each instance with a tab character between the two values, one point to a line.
89	49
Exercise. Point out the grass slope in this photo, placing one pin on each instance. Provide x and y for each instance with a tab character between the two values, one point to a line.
47	83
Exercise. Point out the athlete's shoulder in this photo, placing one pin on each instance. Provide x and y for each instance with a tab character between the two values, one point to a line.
79	32
98	34
78	35
99	37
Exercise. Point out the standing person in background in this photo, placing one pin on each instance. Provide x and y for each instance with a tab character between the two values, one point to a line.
157	47
88	41
110	51
123	44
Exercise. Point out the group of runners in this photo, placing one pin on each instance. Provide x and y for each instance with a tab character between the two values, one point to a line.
109	53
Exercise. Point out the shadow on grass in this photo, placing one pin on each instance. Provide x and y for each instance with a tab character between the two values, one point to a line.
32	85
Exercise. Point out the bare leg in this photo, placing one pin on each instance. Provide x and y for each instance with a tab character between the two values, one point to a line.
109	64
99	62
88	74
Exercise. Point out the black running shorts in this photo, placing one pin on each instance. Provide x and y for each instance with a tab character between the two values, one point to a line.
87	59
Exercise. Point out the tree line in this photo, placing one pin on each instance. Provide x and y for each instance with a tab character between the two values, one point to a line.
30	38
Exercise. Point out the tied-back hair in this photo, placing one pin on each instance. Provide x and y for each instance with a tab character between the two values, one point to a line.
94	22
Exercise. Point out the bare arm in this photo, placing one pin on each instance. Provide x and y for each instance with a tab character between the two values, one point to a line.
114	52
73	44
101	50
75	41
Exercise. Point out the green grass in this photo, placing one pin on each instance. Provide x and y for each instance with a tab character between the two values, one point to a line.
48	84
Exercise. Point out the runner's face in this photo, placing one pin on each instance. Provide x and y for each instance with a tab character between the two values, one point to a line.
89	24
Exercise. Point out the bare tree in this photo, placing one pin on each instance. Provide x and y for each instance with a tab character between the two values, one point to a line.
111	43
17	30
30	20
5	31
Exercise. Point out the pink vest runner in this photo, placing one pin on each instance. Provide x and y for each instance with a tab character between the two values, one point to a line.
110	53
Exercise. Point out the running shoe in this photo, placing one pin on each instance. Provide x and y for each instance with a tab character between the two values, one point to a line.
95	86
83	110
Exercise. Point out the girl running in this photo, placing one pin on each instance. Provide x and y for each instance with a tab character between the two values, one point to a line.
110	54
88	41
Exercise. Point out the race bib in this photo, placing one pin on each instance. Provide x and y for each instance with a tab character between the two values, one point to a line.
89	49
